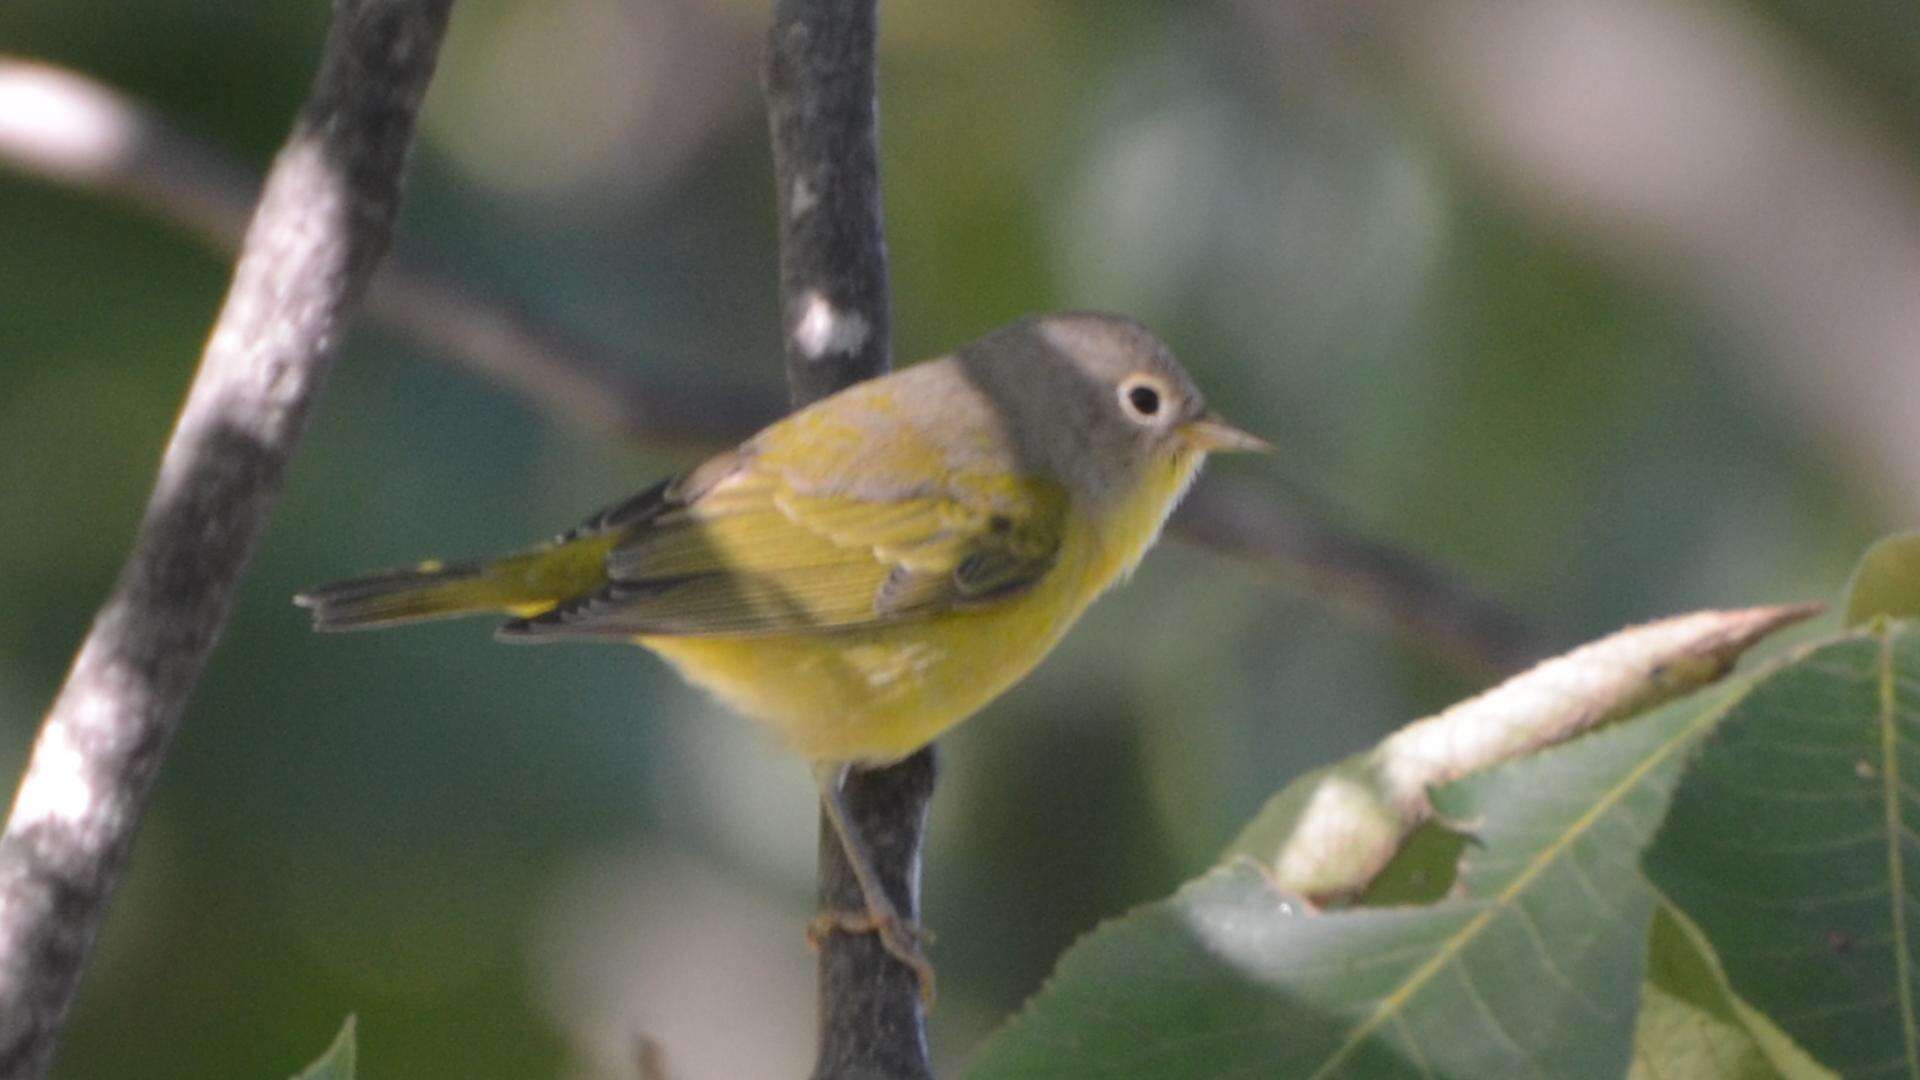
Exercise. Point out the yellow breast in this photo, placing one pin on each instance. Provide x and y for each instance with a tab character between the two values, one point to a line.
877	694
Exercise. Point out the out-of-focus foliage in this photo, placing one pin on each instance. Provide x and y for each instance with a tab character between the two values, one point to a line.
512	862
1887	581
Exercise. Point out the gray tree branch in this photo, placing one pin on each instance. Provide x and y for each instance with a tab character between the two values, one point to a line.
823	115
323	223
822	112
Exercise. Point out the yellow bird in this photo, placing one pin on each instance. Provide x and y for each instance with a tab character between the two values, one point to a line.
876	567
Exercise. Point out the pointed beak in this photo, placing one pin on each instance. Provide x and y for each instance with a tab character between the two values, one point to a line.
1210	433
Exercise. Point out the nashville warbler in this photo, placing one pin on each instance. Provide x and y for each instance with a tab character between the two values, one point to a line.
877	566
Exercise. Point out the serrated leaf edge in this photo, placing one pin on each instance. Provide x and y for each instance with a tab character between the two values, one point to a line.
1896	865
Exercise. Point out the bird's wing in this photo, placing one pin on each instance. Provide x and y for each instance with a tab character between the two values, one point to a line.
766	540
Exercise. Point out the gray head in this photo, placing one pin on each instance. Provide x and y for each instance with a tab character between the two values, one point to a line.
1097	398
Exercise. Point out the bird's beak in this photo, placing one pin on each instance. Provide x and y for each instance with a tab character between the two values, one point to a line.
1210	433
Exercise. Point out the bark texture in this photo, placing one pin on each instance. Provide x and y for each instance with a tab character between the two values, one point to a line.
323	223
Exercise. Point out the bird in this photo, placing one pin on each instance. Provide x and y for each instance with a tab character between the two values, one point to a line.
875	567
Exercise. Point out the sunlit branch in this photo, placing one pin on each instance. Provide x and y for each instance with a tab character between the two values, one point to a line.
324	222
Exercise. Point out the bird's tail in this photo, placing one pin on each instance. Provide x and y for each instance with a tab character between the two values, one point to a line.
432	590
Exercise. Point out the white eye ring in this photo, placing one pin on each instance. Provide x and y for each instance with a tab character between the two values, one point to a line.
1144	399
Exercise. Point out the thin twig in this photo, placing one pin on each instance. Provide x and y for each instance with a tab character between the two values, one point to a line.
68	130
324	223
822	113
1284	537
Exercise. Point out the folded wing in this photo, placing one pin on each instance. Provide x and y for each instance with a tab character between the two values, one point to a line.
767	541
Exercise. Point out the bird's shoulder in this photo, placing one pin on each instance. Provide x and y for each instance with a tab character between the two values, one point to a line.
903	435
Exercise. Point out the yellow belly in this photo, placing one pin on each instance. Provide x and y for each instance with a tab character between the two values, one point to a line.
876	695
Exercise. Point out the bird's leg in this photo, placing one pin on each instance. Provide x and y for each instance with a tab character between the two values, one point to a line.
901	938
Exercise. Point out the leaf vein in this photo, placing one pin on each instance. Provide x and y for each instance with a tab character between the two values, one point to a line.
1485	1008
1535	935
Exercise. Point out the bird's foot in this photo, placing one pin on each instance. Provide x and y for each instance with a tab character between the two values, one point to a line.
903	940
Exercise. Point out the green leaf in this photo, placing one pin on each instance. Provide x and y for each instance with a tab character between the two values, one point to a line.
1792	845
1691	1023
1422	871
1887	581
1533	969
338	1062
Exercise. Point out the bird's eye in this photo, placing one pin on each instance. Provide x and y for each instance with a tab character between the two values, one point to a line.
1142	398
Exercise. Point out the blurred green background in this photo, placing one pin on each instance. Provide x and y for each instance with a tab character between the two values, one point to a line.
1605	305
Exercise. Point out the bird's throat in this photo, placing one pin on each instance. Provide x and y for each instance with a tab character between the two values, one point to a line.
1126	531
